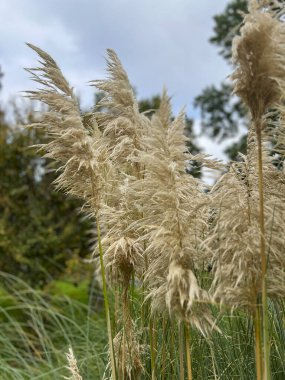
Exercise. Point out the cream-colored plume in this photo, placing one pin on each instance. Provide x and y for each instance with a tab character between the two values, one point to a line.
84	162
129	352
121	122
172	221
234	239
123	127
259	58
123	251
72	366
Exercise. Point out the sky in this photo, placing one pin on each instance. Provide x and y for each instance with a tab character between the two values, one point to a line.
160	43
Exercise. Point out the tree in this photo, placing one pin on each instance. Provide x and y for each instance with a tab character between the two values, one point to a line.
227	25
222	114
40	230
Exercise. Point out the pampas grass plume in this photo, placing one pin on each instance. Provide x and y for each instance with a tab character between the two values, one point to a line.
72	366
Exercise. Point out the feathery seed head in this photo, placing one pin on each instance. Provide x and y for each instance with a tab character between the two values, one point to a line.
172	221
84	163
123	250
235	236
128	351
257	56
120	120
72	366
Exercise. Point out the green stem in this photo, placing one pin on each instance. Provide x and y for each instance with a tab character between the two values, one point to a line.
188	352
106	302
163	351
152	349
171	349
266	341
258	344
181	351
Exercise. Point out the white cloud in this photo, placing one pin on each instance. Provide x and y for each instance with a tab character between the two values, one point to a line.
162	42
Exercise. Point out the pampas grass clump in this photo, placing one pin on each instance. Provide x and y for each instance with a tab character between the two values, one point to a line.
172	221
158	227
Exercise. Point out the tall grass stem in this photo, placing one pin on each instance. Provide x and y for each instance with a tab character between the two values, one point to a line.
181	351
106	303
152	349
258	344
188	351
266	343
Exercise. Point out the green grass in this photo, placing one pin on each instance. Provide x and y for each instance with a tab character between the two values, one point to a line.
77	292
223	356
37	329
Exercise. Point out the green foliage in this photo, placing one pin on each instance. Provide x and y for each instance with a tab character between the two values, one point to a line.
233	150
40	230
37	329
221	115
227	25
150	105
226	355
74	291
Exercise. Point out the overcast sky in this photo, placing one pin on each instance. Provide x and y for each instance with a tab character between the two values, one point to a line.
160	42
